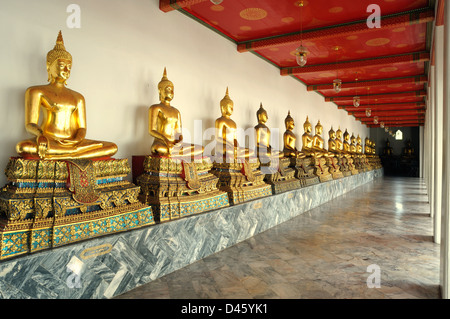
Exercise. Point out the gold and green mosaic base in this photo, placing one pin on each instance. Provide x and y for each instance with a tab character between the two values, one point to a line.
281	177
177	188
241	180
40	210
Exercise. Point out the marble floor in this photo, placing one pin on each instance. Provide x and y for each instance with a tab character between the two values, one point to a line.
380	233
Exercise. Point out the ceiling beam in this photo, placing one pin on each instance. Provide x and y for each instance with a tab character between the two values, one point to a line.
377	96
423	15
354	64
385	105
388	119
171	5
420	79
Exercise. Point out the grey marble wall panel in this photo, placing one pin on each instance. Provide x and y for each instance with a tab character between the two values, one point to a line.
137	257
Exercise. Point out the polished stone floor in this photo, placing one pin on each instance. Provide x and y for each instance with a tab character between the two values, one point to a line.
334	251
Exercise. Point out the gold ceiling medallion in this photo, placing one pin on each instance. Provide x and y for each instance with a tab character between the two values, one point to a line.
253	14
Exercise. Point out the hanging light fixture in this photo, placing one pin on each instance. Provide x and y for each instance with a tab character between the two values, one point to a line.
216	2
300	52
368	112
382	124
337	83
375	119
356	98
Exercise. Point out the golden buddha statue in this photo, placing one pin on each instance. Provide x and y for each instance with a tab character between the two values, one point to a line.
226	134
346	144
367	146
263	148
318	142
387	150
164	124
300	162
338	140
62	133
353	144
307	138
289	139
333	161
273	163
332	147
359	148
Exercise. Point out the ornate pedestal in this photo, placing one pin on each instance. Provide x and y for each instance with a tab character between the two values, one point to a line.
304	170
334	168
242	181
278	174
176	188
321	169
343	163
351	165
49	203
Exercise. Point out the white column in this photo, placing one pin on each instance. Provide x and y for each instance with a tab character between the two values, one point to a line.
445	222
421	150
439	97
432	144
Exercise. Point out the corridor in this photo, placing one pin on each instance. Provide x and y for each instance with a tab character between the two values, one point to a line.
334	251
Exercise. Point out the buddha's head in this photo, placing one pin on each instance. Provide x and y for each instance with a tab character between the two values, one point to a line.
289	122
307	127
353	139
59	62
226	105
367	141
165	89
358	139
261	114
346	136
339	134
319	128
332	134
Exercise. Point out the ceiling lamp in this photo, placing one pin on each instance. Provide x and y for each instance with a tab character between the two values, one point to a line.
382	124
216	2
356	98
375	119
337	83
300	52
368	112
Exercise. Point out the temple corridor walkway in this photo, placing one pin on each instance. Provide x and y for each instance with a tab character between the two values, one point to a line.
324	253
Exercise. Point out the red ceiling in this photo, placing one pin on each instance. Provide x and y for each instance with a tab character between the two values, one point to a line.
387	65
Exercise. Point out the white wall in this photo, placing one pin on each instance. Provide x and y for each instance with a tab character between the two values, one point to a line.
119	54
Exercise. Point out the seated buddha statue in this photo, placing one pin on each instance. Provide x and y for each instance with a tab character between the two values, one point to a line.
264	150
227	146
289	139
61	135
332	146
338	141
387	150
359	148
164	124
367	146
408	150
346	144
353	144
318	142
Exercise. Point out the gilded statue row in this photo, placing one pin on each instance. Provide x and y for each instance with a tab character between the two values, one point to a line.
64	188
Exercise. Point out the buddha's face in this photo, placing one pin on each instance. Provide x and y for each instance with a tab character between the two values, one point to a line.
307	128
262	117
346	137
60	69
166	93
339	135
290	125
319	130
227	108
332	135
353	140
